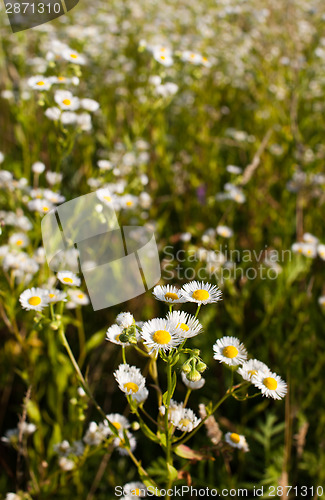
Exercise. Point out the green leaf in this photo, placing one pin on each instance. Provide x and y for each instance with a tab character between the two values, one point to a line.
95	341
148	432
172	472
185	452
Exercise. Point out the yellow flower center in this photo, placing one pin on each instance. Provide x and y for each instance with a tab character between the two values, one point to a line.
184	327
74	56
67	102
67	280
171	295
192	56
136	492
117	338
131	386
185	421
19	242
45	209
107	198
270	383
117	425
129	203
162	337
34	301
200	294
230	351
252	372
235	438
61	78
80	296
40	83
162	57
51	295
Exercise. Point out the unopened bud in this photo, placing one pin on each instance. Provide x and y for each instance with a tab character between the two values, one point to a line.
186	368
193	376
201	366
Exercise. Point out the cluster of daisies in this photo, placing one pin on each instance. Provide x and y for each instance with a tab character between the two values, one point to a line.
231	351
37	298
165	55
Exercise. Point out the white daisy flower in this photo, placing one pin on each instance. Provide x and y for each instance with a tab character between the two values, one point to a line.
113	335
55	295
162	58
233	169
189	325
39	82
191	57
169	294
128	201
63	449
53	178
125	319
105	164
73	56
321	300
95	435
224	231
270	384
162	334
310	238
79	297
118	421
120	443
38	167
236	441
184	419
201	293
229	350
53	113
41	206
297	247
19	240
68	278
321	251
34	299
66	464
89	104
192	385
53	197
309	250
140	396
68	117
251	367
173	407
66	100
129	379
135	489
105	196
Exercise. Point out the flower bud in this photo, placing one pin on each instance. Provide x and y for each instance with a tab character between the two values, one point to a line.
201	366
186	368
193	376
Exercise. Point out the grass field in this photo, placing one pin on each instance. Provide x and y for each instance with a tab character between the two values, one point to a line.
203	122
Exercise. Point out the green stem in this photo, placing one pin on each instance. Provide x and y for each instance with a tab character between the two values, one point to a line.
197	310
123	355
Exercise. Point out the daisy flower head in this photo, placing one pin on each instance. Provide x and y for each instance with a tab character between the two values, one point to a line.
79	297
113	335
201	293
38	167
19	240
73	56
270	384
229	350
120	444
309	250
224	231
310	238
237	441
39	82
68	278
160	333
129	379
192	385
184	419
125	319
105	196
163	56
321	251
55	295
251	367
40	206
118	421
66	100
189	325
34	299
169	294
135	489
297	247
321	300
